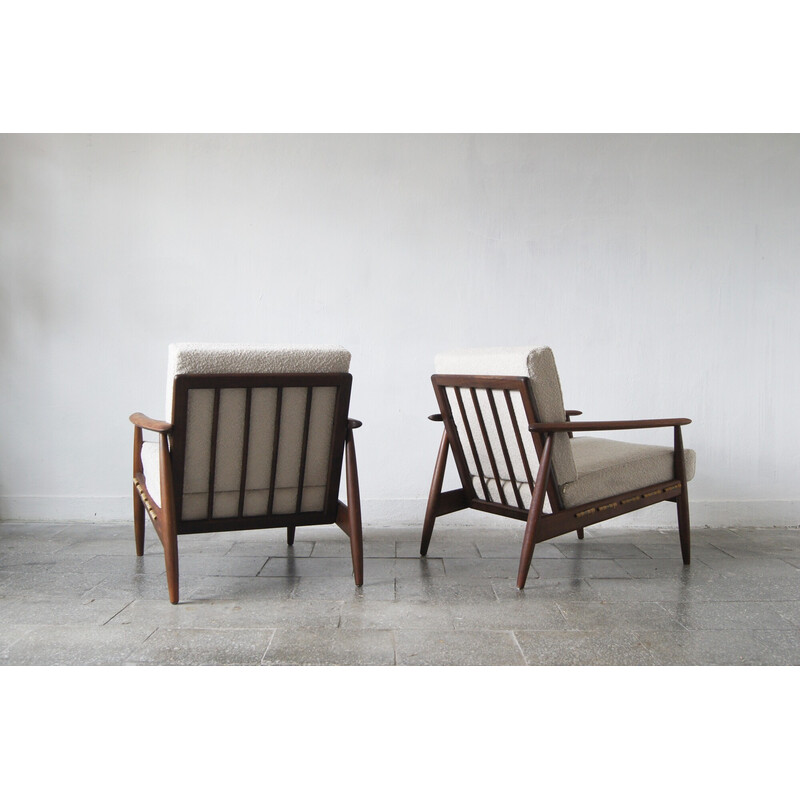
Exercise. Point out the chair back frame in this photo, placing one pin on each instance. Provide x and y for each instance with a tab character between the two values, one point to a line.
342	382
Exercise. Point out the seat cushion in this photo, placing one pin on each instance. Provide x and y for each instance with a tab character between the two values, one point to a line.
608	467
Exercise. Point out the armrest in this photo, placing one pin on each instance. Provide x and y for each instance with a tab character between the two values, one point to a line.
612	425
155	425
436	418
354	423
572	413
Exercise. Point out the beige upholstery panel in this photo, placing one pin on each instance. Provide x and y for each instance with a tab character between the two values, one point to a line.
538	364
607	467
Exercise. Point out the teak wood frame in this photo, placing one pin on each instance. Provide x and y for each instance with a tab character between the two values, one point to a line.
540	526
166	518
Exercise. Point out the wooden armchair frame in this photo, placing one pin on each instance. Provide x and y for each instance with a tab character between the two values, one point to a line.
540	526
167	518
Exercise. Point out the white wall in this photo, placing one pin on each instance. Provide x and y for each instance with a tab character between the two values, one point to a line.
662	270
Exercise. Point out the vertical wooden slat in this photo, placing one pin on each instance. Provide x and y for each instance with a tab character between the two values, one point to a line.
275	441
523	454
504	448
213	465
245	446
301	479
488	444
468	429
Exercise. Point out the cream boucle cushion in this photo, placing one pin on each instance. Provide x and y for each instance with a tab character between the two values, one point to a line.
607	467
538	364
192	358
205	359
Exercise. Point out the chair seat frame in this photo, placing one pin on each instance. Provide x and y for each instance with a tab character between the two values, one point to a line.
540	525
166	518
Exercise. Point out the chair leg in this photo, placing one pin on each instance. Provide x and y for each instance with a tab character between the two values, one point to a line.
354	510
290	535
580	533
138	522
684	530
537	503
170	539
433	495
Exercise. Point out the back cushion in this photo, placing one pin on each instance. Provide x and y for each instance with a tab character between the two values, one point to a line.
539	365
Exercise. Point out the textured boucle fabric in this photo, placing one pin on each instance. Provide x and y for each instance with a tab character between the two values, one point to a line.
195	358
607	467
538	364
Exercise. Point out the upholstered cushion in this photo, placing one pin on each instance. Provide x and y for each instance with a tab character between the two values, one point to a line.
204	359
192	358
607	467
538	364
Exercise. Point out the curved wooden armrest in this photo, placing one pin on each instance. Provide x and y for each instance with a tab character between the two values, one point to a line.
572	413
612	425
436	418
155	425
354	423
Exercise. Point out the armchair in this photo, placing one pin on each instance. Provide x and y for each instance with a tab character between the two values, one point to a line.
516	454
256	440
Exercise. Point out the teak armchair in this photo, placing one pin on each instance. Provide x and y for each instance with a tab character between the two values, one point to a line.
257	440
513	445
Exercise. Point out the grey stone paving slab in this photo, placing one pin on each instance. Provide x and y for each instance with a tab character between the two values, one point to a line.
233	566
457	648
628	616
513	549
579	567
729	615
311	567
339	546
465	548
546	589
76	645
148	564
198	646
330	647
723	647
343	588
57	611
657	568
480	569
584	648
537	615
597	548
47	583
270	548
443	589
789	610
390	615
227	587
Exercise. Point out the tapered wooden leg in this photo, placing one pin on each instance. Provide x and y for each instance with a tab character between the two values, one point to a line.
138	505
537	503
138	522
169	527
433	495
354	510
684	530
580	533
290	535
171	561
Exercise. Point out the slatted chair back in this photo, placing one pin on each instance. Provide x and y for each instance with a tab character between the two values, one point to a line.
488	398
258	435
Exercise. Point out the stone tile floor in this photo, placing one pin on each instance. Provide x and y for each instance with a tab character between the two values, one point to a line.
77	595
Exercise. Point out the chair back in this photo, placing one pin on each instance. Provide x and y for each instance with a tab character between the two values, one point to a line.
258	434
490	396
